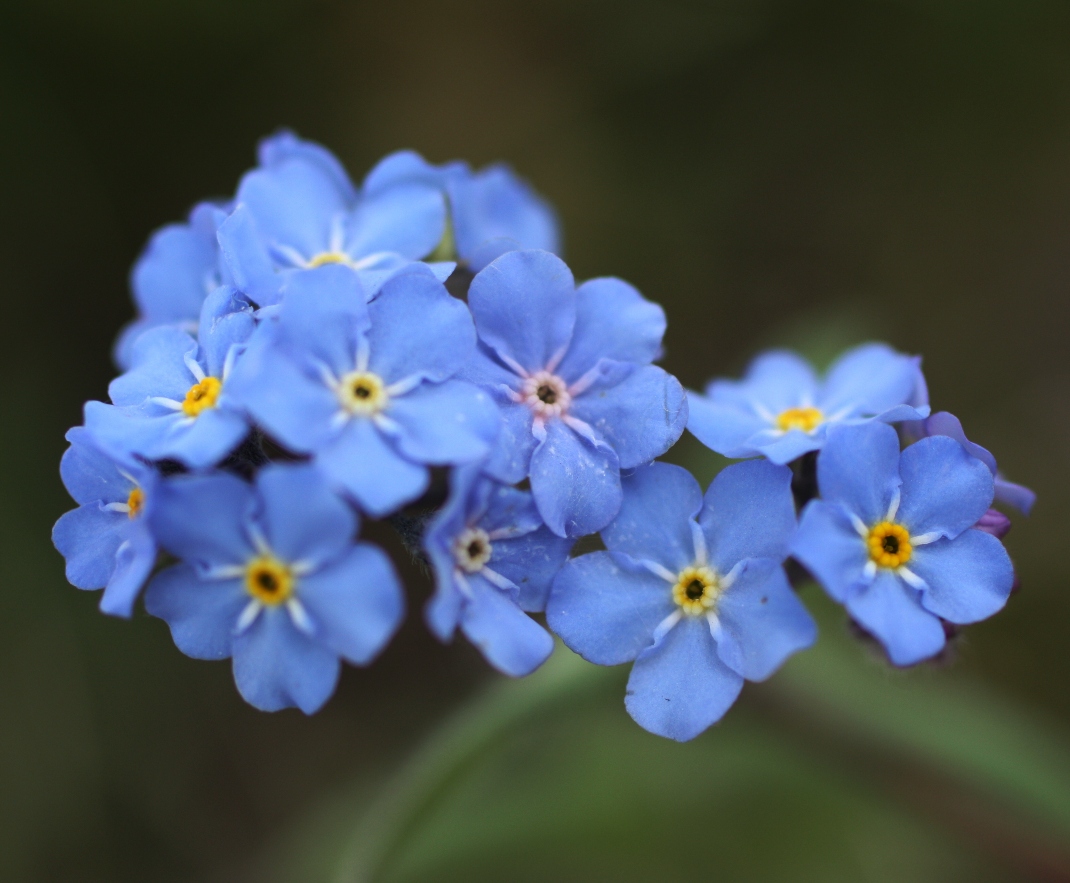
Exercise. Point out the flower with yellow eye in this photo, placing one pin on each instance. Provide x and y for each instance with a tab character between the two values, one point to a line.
892	537
782	410
271	576
173	403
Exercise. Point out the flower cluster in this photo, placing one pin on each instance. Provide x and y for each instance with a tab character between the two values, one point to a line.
299	364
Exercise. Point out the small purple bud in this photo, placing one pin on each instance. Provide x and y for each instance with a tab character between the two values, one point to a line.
995	523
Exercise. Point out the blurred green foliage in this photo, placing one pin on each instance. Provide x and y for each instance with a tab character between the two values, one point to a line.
774	172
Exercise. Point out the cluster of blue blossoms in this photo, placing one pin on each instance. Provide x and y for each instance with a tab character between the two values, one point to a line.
313	352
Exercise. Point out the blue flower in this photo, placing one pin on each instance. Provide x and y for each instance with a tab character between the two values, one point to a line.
891	537
299	210
179	268
368	389
700	605
571	370
271	576
781	410
106	540
491	211
493	559
174	402
943	423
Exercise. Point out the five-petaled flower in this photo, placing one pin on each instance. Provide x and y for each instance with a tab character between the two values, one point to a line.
570	369
891	537
106	540
780	410
493	559
271	576
369	389
692	589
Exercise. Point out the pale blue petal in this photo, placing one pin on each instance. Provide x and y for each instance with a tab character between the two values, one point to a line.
531	562
324	316
204	442
90	475
967	579
356	603
680	687
304	520
284	145
889	610
226	321
403	166
247	257
748	512
859	467
524	305
202	518
776	380
763	621
945	490
656	518
407	219
605	606
726	428
828	545
1016	495
504	508
202	614
276	666
134	561
178	267
789	446
640	417
507	637
440	423
88	538
576	485
613	321
159	367
870	379
510	457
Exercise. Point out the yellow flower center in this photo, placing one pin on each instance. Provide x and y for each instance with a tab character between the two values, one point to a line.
806	419
696	590
269	580
889	544
135	502
201	396
363	393
328	257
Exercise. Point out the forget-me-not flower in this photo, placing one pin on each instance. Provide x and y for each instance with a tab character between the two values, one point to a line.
298	210
491	211
493	559
174	402
692	589
369	389
178	269
106	540
270	575
570	369
943	423
781	410
891	537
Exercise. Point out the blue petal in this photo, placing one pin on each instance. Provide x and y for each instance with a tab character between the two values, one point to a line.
859	467
451	422
443	609
204	442
613	321
680	687
510	458
134	561
524	305
202	518
640	417
507	637
284	145
775	381
403	166
247	257
1016	495
870	379
967	579
726	428
304	520
324	316
531	562
159	367
763	621
505	509
889	610
226	321
91	475
576	485
494	204
792	444
202	614
356	603
830	548
88	537
364	464
945	490
748	512
944	423
605	606
656	518
419	331
276	666
407	219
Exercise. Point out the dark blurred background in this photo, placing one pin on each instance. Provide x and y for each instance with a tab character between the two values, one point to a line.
773	172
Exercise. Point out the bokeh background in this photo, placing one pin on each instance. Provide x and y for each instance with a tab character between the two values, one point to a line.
771	171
